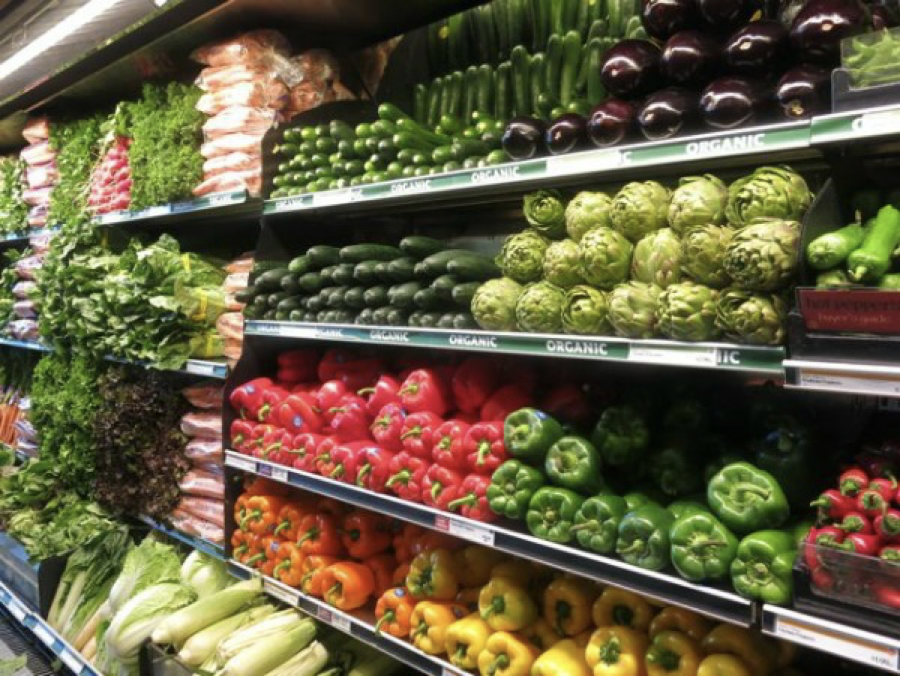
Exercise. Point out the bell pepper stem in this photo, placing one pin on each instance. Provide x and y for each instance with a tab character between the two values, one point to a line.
412	432
280	567
402	476
666	659
610	652
484	450
468	500
460	653
593	523
387	618
747	487
281	527
363	473
255	514
337	472
436	490
364	391
496	607
253	559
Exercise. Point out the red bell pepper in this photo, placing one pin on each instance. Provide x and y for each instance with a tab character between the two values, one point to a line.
272	397
388	426
871	502
472	502
449	448
349	421
890	553
424	391
504	401
407	475
333	362
886	487
277	447
441	486
887	525
322	460
373	468
485	450
474	380
852	481
246	399
298	365
569	403
384	392
823	579
855	522
241	433
329	396
361	374
342	461
418	432
862	543
304	448
258	440
365	534
826	536
297	414
886	593
832	504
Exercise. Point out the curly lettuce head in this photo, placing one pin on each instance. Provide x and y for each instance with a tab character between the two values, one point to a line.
539	309
522	256
586	211
586	311
605	257
562	264
698	200
545	211
494	304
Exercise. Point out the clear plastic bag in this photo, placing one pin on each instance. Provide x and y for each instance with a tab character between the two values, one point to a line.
35	197
37	216
192	525
240	120
206	395
243	263
26	267
273	94
215	78
37	129
208	425
42	175
25	309
38	153
202	484
233	143
251	181
231	326
248	48
24	329
236	281
232	162
204	508
233	349
40	243
204	450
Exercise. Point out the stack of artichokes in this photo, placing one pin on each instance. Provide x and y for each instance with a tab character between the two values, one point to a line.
697	263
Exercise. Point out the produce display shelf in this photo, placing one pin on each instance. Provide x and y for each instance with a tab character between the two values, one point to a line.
869	124
22	239
45	634
871	379
25	344
774	142
193	541
832	637
358	626
719	603
218	206
719	356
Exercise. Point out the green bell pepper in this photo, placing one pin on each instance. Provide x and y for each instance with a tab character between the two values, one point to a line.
512	486
681	507
674	472
573	463
762	568
621	435
702	547
643	538
597	522
714	466
785	450
747	498
528	434
551	514
636	499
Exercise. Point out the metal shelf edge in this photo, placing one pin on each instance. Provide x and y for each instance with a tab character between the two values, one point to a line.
193	541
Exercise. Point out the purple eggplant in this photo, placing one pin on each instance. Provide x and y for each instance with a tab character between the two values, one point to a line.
565	134
523	138
820	26
666	113
663	18
757	49
611	122
804	91
730	102
726	16
631	68
690	59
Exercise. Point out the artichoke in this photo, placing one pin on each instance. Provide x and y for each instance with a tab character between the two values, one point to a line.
522	256
657	259
540	307
605	257
769	192
763	257
561	264
586	311
640	208
494	304
698	200
687	311
586	211
703	254
545	211
752	318
632	309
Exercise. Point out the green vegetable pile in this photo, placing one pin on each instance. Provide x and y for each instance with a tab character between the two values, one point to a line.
13	211
8	279
695	264
77	144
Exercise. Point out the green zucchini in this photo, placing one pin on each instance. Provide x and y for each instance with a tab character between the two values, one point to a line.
464	320
433	112
536	73
364	273
355	298
401	269
473	267
872	259
553	68
596	92
443	286
419	246
436	264
357	253
446	321
322	255
420	104
470	93
427	299
503	96
343	274
376	296
571	60
290	284
271	280
401	295
833	248
501	23
521	80
464	293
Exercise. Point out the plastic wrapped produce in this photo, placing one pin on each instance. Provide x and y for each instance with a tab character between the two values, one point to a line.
243	263
37	216
206	395
37	129
240	119
233	143
27	267
215	78
111	179
254	47
23	289
25	309
38	153
258	94
42	175
34	197
204	450
190	524
204	508
232	180
202	425
232	162
202	484
23	329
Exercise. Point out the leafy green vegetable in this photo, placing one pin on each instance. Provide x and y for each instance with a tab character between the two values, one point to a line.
13	210
148	564
76	144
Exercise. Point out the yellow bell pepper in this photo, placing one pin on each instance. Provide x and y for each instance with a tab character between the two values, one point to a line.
680	619
520	572
757	652
672	653
432	576
473	565
541	634
429	623
616	651
468	597
617	606
567	605
465	639
723	665
506	654
563	659
505	606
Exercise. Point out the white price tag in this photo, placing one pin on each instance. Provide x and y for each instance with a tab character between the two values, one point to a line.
44	635
882	384
885	122
244	464
156	211
280	474
289	204
201	368
578	163
853	648
333	618
72	661
466	530
283	594
330	198
668	355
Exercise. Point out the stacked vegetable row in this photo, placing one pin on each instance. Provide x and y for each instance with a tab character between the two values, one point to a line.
422	283
704	261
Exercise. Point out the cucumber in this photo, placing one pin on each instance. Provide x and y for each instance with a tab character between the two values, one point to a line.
473	267
420	104
355	298
446	320
245	295
470	93
411	127
540	9
436	264
343	274
454	105
433	112
364	273
376	296
583	19
327	274
521	80
557	17
413	318
464	293
553	68
364	317
443	154
383	129
401	269
429	320
503	97
381	271
833	248
288	304
536	73
332	296
391	113
270	280
273	299
571	60
341	131
427	299
464	320
299	265
396	317
515	19
322	255
443	286
872	259
290	284
419	246
357	253
485	95
596	92
401	295
297	315
501	24
456	41
380	315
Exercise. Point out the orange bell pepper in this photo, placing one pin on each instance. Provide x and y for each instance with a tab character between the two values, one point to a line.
365	534
404	539
240	508
267	567
289	565
260	552
313	567
382	567
262	514
239	545
398	579
347	585
393	612
319	535
432	540
289	518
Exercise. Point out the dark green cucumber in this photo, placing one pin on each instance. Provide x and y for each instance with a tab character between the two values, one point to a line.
299	265
354	298
420	104
463	294
396	317
464	320
488	31
290	303
357	253
376	296
583	18
470	93
401	269
364	273
443	286
458	45
473	267
521	80
274	299
503	96
537	76
553	69
596	92
343	274
571	60
457	83
427	299
501	23
311	282
429	320
271	280
411	127
290	284
436	264
380	315
515	19
419	246
446	321
485	94
327	274
433	113
322	255
401	295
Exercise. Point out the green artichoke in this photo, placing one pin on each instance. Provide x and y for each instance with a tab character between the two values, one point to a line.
540	307
632	309
586	211
605	257
494	304
561	264
769	192
752	318
545	211
640	208
657	259
522	256
703	254
698	200
763	257
687	311
833	278
586	311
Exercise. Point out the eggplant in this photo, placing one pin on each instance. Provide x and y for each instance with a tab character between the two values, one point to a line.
820	26
611	122
758	49
566	134
663	18
726	16
666	113
523	138
804	91
690	59
730	102
631	68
